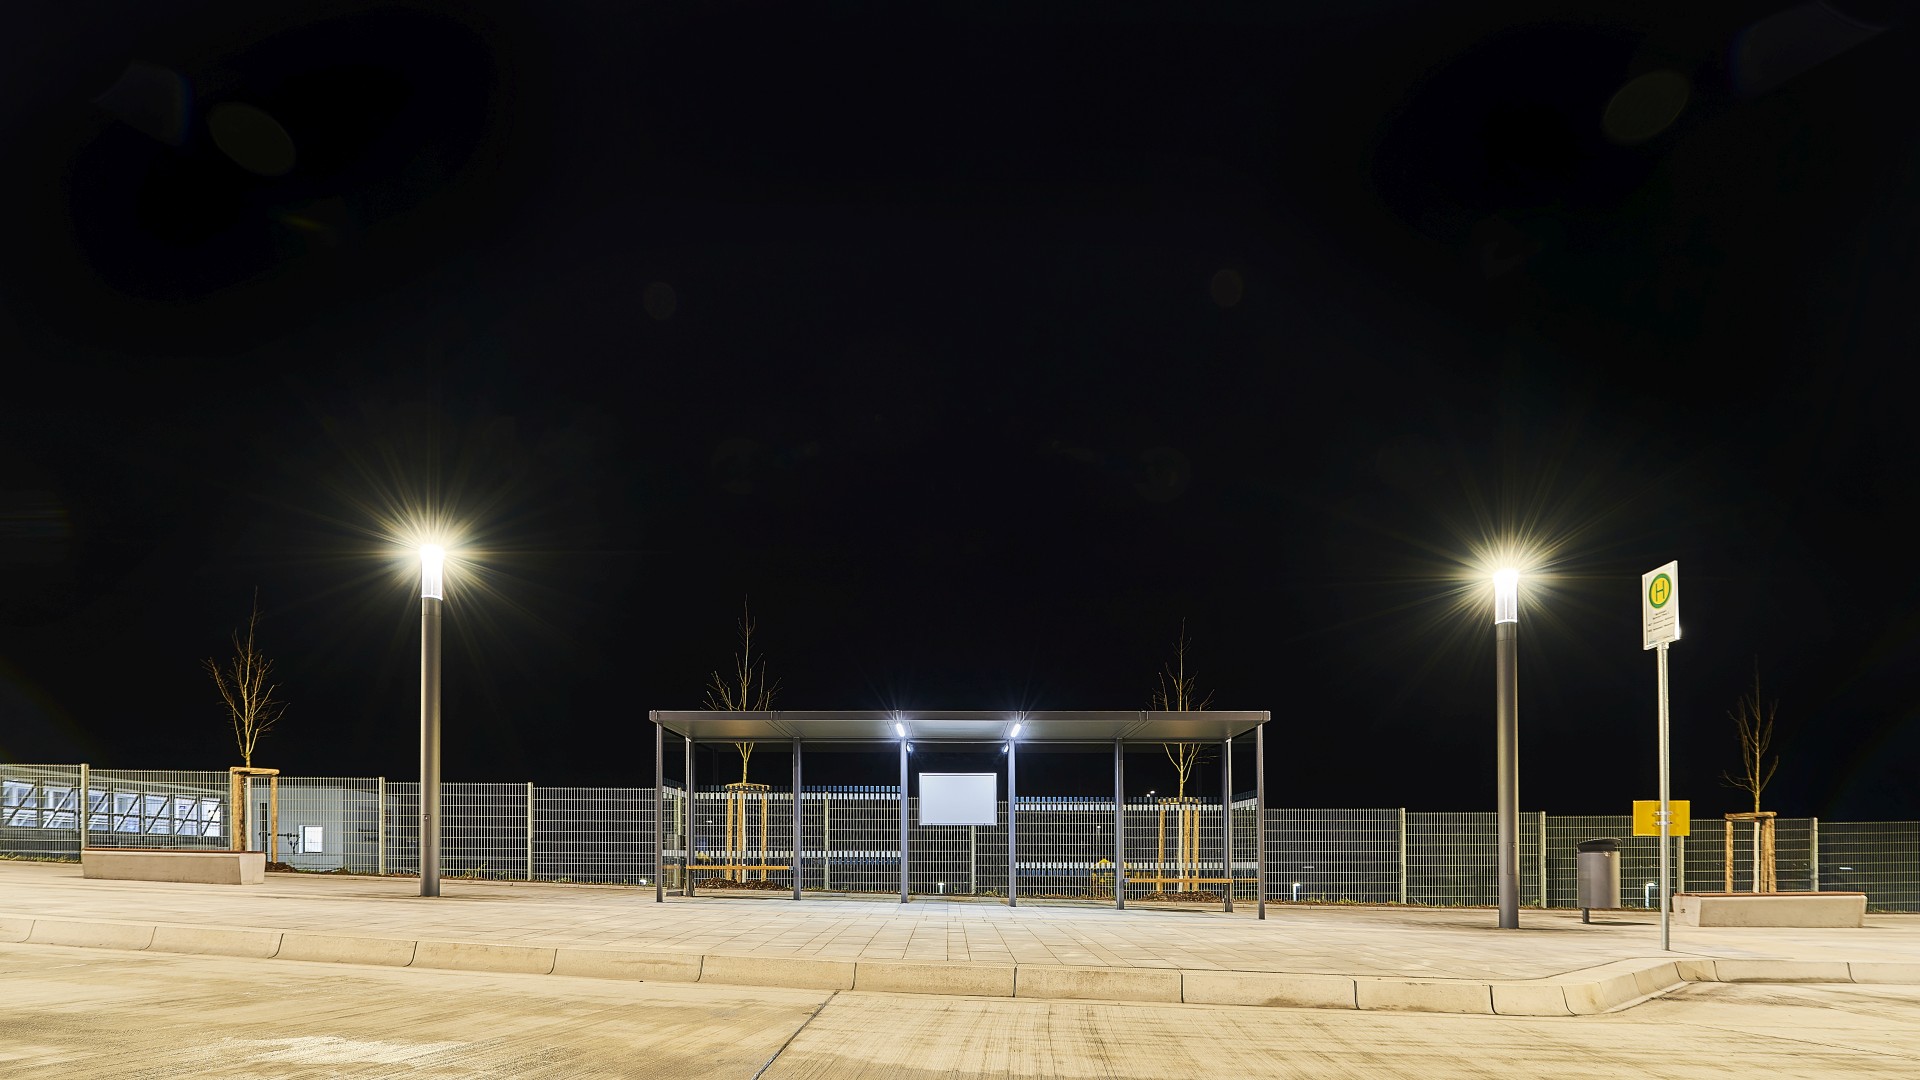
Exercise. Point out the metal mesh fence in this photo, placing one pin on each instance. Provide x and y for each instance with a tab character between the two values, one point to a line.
39	811
851	840
326	825
159	808
602	835
1880	858
1065	847
1334	856
1453	859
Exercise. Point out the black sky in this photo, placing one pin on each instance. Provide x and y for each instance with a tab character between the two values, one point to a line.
978	350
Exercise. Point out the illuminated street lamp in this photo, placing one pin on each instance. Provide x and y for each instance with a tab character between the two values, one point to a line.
433	561
1506	678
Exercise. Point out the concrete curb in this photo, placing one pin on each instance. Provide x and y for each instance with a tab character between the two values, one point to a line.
1267	988
1883	971
638	965
131	937
1780	971
1096	984
1530	999
205	941
1423	995
472	956
936	977
345	949
791	972
1604	988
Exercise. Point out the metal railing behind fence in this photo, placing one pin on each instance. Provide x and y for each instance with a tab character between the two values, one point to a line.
850	841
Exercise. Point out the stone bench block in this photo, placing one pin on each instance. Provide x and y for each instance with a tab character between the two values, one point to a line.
186	866
1770	909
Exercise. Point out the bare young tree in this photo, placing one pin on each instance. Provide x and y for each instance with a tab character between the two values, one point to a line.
746	689
246	685
1175	692
1753	720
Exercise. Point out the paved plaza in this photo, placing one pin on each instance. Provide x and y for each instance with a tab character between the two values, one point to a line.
485	981
1378	942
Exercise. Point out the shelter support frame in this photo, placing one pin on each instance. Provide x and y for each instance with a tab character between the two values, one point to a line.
1121	878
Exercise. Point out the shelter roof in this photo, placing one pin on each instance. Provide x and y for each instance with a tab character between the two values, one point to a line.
949	725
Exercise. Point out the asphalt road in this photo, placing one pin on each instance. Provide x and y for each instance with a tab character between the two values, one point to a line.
84	1012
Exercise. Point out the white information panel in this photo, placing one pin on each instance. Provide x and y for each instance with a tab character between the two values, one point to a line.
948	798
1660	606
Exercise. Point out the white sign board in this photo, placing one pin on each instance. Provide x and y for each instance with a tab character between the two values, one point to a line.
1660	606
959	798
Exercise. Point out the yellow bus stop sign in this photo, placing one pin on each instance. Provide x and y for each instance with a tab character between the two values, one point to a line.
1646	817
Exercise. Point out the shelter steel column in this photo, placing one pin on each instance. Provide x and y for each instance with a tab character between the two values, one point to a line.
903	821
1119	827
659	811
1013	814
796	819
1260	816
686	824
1226	820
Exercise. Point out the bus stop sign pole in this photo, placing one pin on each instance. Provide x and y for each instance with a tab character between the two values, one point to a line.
1660	627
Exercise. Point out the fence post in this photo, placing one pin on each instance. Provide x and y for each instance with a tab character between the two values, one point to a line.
529	830
380	826
86	804
826	840
1543	860
1813	853
1680	863
1403	854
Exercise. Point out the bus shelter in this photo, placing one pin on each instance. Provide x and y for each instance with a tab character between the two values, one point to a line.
908	729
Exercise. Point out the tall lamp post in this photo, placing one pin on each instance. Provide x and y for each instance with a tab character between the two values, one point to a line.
1506	678
433	560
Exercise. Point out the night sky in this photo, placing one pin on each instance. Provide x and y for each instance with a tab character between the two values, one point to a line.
976	351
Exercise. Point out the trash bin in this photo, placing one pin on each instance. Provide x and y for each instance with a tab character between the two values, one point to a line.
1599	873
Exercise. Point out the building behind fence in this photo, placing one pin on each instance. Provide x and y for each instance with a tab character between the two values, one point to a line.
850	840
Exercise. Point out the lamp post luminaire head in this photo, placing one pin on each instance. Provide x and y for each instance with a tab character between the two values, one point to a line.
433	564
1506	596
